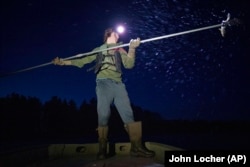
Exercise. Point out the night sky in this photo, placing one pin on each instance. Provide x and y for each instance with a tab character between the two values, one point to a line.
195	76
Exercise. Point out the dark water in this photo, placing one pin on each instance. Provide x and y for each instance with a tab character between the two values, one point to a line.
207	141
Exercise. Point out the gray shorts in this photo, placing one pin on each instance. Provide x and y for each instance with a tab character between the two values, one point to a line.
109	91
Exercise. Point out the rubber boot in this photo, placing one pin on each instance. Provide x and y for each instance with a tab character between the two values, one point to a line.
135	135
102	133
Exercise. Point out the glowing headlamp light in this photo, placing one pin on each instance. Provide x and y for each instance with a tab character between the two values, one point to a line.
120	29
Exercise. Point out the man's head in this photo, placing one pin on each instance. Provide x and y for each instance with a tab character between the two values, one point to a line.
110	36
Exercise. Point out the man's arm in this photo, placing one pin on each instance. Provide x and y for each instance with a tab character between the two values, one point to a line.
134	43
128	59
80	62
61	62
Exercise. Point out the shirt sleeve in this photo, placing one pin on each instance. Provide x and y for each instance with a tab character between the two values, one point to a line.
128	62
85	60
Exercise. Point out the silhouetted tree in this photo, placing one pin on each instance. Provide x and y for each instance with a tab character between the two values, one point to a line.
20	117
88	117
60	117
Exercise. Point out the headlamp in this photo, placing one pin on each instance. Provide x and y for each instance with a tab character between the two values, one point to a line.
120	29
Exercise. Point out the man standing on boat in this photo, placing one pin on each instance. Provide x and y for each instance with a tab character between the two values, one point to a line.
110	88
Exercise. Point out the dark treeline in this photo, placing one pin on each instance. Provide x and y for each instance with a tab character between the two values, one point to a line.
28	118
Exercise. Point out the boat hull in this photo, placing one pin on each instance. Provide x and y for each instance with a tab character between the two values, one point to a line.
84	155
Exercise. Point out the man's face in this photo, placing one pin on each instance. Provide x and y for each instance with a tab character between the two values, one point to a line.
115	36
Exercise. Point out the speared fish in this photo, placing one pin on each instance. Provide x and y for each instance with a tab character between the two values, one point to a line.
224	23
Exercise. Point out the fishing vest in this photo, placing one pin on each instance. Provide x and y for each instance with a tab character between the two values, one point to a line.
110	61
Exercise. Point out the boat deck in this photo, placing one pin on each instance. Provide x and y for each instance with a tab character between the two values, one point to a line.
84	155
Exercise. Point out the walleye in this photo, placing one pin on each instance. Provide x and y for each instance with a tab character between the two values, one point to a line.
224	23
222	31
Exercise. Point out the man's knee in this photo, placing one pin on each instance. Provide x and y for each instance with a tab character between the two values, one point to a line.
103	119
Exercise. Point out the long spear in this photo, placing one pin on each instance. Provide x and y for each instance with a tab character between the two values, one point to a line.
222	29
